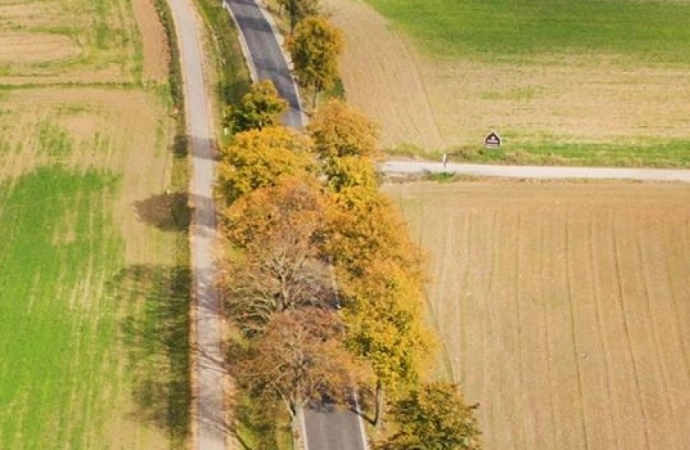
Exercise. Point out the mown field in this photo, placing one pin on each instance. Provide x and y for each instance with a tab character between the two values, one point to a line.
563	308
588	83
93	260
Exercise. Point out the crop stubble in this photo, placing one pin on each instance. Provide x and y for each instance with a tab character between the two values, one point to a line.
564	308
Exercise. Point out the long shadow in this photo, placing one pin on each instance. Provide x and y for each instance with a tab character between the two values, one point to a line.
168	211
157	339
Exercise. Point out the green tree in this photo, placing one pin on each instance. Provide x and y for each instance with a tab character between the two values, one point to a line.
299	10
260	107
260	158
434	417
314	47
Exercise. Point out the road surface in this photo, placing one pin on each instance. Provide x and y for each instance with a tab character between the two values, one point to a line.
210	418
325	430
262	47
535	172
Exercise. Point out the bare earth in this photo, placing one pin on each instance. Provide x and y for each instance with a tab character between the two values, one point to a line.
442	103
564	308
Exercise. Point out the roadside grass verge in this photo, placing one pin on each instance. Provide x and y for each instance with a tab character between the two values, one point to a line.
232	80
647	30
647	153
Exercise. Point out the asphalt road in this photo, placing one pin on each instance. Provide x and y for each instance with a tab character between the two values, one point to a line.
262	47
535	172
325	429
209	393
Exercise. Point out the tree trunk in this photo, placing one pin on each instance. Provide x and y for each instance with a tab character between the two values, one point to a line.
380	404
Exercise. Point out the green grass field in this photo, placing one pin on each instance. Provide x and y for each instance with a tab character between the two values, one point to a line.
55	327
653	31
94	261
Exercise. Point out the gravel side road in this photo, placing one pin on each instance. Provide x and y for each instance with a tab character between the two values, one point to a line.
209	393
535	172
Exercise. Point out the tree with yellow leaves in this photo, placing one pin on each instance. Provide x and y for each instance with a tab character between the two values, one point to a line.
260	158
314	47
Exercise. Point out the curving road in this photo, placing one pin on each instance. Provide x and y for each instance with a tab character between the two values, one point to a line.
535	172
261	43
210	418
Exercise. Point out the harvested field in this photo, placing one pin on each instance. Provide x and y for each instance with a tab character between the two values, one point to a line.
553	99
564	308
94	256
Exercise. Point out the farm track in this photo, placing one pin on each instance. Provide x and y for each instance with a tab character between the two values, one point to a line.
565	314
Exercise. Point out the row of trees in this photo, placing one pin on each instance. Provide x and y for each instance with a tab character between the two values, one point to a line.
319	272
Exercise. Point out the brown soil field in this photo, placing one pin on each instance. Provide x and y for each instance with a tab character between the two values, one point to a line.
563	308
442	103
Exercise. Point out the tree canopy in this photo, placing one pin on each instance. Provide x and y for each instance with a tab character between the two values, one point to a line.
299	10
300	358
261	158
434	417
260	107
314	47
339	131
279	229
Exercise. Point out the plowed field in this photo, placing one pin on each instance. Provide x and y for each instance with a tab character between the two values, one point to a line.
564	308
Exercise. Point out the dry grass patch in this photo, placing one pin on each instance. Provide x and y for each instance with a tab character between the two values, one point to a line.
36	48
537	102
564	308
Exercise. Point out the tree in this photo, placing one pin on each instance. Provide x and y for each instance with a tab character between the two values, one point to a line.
434	417
300	358
299	10
314	48
350	172
279	231
339	131
383	311
260	158
260	107
363	227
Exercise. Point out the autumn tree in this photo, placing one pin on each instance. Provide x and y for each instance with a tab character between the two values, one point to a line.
300	358
260	107
345	143
314	48
363	227
434	417
383	311
261	158
337	130
279	231
299	10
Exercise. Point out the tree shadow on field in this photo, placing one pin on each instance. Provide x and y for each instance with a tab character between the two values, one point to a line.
168	211
155	330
